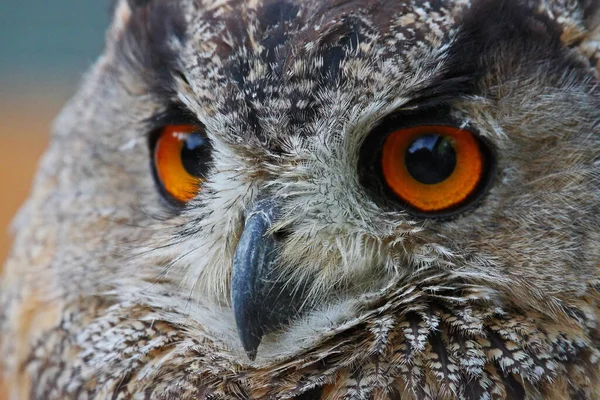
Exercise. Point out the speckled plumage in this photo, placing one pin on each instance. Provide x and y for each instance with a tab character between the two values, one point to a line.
109	293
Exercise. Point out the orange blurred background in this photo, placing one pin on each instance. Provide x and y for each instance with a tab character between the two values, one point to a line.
23	137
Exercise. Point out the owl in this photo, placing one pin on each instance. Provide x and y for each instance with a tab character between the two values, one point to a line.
318	199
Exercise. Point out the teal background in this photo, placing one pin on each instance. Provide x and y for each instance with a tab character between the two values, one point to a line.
42	40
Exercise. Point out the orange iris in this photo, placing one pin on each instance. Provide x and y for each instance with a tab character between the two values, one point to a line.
170	169
462	165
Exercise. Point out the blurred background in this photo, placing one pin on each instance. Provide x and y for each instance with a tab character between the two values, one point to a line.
45	46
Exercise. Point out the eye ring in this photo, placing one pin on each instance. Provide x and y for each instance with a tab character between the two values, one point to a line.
459	157
181	159
383	172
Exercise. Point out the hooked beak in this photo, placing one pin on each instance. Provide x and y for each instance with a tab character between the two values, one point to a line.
261	301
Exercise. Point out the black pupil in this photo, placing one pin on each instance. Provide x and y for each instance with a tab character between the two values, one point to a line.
430	159
195	155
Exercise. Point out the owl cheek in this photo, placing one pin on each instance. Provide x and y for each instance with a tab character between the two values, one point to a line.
261	301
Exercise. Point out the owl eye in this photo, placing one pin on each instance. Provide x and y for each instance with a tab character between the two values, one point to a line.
433	169
181	156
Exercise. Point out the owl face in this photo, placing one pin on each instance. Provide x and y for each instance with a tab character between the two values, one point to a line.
321	174
268	175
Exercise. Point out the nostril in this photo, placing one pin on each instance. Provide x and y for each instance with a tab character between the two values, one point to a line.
282	234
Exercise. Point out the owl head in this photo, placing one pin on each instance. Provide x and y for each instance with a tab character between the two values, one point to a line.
271	197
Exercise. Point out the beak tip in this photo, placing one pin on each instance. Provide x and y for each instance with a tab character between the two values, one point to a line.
251	355
250	343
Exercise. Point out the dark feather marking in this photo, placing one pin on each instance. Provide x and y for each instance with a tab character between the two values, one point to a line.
338	44
276	13
238	70
414	322
272	17
577	393
491	25
591	11
514	388
312	394
471	388
394	394
439	348
145	47
137	3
